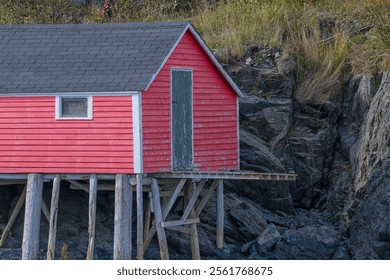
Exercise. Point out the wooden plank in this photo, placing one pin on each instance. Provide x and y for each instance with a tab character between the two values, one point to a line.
231	175
220	215
140	218
53	218
162	239
175	223
32	217
13	217
194	238
181	229
123	218
4	176
192	200
12	182
92	216
206	198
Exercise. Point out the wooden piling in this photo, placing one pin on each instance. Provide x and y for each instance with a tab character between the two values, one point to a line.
140	219
220	215
123	218
32	217
92	215
162	239
53	218
147	216
13	217
194	238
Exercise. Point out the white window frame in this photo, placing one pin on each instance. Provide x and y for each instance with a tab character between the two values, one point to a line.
58	105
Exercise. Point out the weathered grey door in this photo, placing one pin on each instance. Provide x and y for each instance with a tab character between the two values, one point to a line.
182	154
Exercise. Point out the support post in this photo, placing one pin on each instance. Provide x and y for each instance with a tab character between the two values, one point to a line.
162	239
194	238
123	217
14	215
92	215
220	215
148	211
140	219
53	218
32	217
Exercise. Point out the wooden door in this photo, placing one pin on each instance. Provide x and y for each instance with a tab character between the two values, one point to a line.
182	130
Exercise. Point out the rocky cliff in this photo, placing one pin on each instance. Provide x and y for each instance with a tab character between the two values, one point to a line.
339	149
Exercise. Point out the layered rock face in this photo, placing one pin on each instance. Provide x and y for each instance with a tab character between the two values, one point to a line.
340	151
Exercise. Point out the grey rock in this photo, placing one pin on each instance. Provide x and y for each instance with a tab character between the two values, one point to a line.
307	243
267	240
251	223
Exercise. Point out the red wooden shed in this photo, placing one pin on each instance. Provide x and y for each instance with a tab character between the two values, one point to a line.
114	99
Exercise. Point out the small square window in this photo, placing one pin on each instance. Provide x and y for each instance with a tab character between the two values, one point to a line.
74	107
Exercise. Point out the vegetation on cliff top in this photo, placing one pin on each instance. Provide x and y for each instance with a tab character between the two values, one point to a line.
329	40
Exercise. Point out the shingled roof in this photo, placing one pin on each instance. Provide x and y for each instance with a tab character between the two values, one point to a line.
84	58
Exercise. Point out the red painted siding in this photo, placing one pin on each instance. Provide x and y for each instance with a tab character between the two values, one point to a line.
31	140
214	111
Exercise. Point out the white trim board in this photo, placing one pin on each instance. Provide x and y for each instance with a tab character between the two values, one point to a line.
137	133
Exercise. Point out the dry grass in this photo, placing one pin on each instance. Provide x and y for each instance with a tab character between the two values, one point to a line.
322	36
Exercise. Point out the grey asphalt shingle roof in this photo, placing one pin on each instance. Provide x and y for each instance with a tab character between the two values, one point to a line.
83	58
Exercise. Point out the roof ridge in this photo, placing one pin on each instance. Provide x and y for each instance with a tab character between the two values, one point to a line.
92	25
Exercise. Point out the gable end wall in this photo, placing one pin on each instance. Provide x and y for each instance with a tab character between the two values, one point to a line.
215	133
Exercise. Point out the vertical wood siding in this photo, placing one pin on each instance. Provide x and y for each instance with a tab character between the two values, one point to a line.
214	111
31	140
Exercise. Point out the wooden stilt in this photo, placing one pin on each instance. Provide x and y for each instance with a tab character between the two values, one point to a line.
92	215
13	217
220	215
123	218
162	239
194	238
140	219
32	217
148	211
53	218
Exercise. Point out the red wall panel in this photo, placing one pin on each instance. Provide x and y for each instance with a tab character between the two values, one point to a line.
31	140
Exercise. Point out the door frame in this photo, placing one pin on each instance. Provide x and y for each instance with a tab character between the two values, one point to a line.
174	68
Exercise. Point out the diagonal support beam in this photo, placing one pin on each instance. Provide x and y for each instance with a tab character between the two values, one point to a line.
13	217
191	202
206	198
162	239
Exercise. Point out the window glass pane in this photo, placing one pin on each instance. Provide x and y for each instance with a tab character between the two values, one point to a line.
74	107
